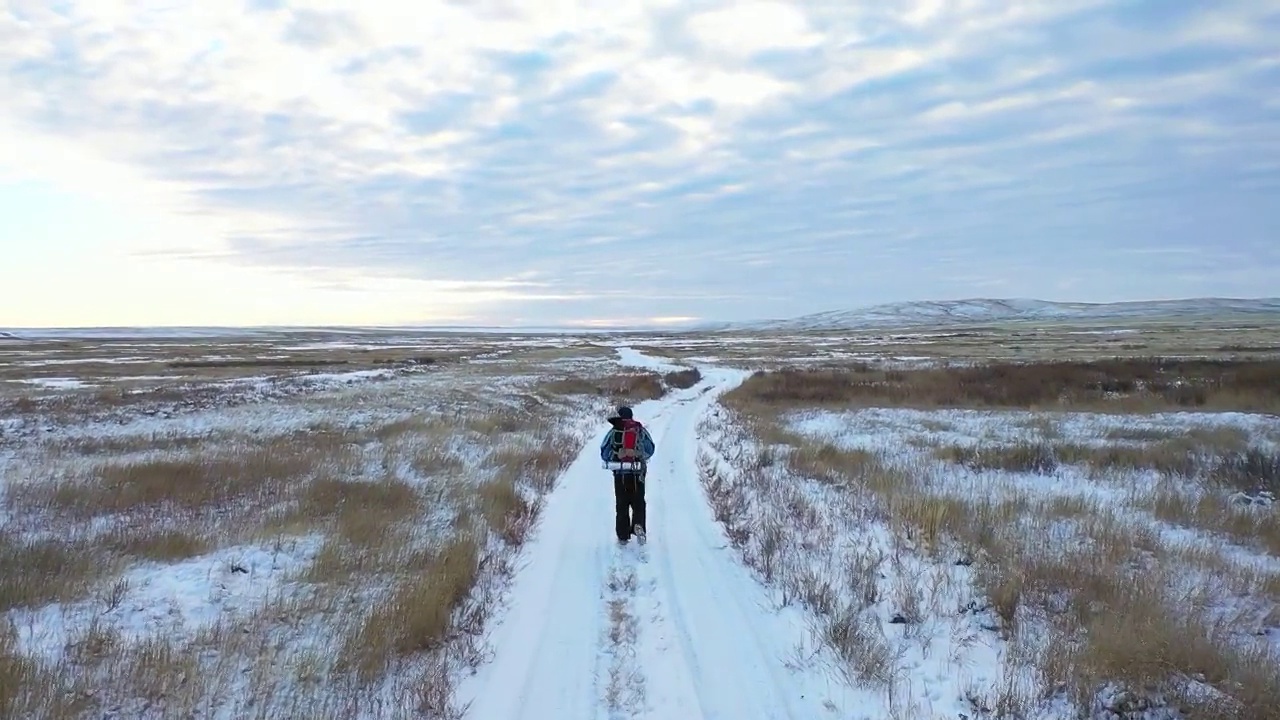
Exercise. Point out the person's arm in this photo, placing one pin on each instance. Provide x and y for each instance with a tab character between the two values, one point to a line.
648	446
604	448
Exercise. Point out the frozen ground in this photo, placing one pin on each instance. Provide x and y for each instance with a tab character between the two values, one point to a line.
177	600
673	629
202	547
387	538
965	563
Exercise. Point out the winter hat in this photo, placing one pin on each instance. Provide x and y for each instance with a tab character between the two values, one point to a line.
624	412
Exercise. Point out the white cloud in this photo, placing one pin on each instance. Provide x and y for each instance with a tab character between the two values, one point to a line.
758	144
955	110
924	11
851	67
748	28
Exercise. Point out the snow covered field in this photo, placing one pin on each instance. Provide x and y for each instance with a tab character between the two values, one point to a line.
300	544
1007	563
332	527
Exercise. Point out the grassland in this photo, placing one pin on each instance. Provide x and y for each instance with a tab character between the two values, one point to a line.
233	528
1100	530
1229	338
1049	522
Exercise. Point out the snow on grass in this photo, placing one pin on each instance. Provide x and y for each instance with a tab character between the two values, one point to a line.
176	600
911	634
256	404
985	557
377	523
346	378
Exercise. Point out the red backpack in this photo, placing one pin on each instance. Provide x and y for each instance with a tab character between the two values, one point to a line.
626	440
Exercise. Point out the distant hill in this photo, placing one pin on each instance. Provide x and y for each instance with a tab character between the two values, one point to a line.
927	313
991	310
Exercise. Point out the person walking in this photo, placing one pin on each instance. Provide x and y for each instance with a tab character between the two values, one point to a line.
629	444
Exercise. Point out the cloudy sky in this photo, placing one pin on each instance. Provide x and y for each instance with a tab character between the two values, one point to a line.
496	161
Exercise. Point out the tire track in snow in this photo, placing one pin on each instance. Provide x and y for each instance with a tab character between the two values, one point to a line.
623	694
546	661
549	658
734	669
668	691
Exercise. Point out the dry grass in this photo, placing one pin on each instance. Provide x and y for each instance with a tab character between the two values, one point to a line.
1220	339
151	540
216	358
1119	385
418	615
412	523
184	486
26	688
620	388
362	513
176	505
1119	621
1252	470
1127	622
1037	457
510	501
1244	524
1087	596
1220	457
683	379
34	572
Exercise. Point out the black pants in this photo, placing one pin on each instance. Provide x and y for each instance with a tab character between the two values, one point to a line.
628	495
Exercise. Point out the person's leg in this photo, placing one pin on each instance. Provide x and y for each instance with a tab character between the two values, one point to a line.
638	517
621	502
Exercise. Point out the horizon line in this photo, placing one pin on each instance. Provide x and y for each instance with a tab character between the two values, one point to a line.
597	329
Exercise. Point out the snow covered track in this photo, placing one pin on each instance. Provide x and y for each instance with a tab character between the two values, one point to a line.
676	629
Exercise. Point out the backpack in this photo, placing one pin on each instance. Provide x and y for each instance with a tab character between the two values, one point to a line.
626	440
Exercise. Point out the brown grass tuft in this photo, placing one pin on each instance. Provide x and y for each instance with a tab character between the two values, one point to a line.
36	572
509	514
154	542
417	616
683	379
629	388
1125	385
1222	458
1252	470
26	688
363	509
1035	457
1244	524
188	485
855	469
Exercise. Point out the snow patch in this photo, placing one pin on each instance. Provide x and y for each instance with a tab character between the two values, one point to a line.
347	378
631	357
174	600
56	383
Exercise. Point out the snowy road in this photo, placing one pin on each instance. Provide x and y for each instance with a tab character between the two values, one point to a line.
673	630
